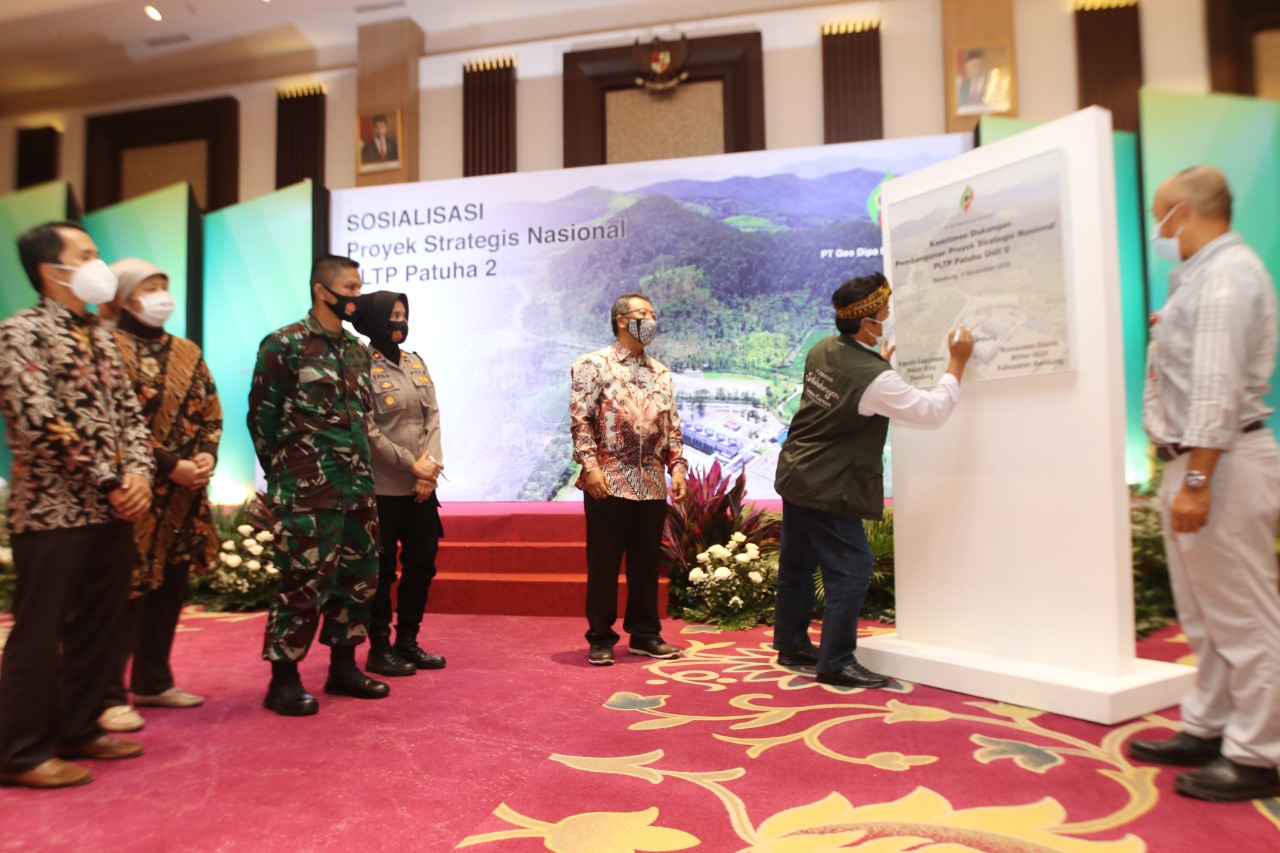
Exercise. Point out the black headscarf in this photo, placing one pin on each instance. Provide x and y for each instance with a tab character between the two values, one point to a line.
374	321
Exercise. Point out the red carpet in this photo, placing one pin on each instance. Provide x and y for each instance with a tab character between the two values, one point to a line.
520	746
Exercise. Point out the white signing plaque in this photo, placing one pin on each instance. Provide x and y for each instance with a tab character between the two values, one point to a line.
987	253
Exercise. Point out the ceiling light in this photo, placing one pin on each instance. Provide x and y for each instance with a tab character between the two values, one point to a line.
153	13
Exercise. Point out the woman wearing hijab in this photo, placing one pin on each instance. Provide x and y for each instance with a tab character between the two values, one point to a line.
404	437
180	405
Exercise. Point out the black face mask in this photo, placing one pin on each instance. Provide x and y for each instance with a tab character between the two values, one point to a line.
348	308
400	326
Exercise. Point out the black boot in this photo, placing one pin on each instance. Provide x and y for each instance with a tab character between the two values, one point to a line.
406	648
384	661
286	695
346	679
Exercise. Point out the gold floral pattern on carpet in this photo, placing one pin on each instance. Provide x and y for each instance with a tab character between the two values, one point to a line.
923	820
767	708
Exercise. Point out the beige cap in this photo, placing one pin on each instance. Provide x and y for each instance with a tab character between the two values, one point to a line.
132	272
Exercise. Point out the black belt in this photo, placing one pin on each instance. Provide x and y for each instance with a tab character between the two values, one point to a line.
1170	452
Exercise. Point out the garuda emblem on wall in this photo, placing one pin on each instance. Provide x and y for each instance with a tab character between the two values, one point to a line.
662	64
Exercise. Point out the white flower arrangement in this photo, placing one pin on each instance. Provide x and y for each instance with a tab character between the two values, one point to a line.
733	585
241	573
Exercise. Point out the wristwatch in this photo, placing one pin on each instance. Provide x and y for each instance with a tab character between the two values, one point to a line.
1195	480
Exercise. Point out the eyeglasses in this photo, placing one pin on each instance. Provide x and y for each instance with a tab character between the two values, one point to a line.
644	314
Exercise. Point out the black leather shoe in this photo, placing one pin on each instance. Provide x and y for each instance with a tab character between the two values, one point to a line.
1182	749
384	661
290	699
1224	781
807	657
349	681
853	675
600	656
654	647
416	656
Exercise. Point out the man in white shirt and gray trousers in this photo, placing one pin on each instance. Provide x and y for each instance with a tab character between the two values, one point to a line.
1210	361
831	476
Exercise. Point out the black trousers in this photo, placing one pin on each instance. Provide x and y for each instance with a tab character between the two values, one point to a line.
71	597
617	527
147	636
412	530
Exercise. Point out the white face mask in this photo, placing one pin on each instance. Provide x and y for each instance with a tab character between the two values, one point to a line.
1168	248
156	308
886	329
92	282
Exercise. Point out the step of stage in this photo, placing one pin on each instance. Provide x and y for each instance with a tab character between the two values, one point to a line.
515	521
533	594
516	559
513	557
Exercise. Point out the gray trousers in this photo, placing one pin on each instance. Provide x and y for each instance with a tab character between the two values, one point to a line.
1227	587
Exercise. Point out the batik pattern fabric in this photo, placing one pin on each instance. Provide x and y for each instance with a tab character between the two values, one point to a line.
624	422
73	423
181	407
328	562
307	408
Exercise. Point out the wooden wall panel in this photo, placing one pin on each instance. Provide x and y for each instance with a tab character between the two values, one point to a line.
489	118
852	99
215	121
387	80
1231	26
970	25
300	134
1109	60
737	60
39	149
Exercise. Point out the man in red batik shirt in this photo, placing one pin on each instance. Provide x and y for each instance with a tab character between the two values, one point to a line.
626	435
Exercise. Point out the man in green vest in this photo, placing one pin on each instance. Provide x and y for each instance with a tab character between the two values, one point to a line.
831	476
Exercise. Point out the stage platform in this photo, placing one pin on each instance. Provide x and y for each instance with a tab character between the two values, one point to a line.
519	558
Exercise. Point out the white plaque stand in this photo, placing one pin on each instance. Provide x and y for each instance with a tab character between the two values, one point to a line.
1011	522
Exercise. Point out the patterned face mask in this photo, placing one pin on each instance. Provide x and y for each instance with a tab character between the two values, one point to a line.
644	330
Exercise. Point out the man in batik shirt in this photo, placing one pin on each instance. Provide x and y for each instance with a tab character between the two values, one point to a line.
82	469
307	409
626	435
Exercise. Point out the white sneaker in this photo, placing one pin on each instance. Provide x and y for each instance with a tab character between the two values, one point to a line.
121	718
174	697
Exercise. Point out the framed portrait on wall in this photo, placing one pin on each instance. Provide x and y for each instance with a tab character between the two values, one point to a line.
378	141
982	80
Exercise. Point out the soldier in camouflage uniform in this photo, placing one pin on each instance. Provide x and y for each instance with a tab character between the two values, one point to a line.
307	411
